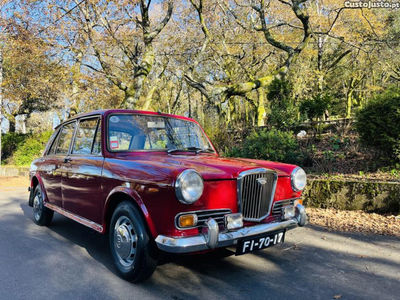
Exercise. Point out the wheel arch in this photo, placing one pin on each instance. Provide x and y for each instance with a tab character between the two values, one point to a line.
35	181
120	194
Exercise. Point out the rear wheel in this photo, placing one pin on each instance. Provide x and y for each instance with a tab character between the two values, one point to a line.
42	216
134	252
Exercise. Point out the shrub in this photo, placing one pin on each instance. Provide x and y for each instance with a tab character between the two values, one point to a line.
9	143
32	148
274	145
315	107
378	123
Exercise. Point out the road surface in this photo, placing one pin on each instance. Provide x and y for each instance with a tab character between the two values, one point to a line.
70	261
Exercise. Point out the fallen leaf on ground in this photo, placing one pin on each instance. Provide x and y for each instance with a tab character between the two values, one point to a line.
354	221
294	247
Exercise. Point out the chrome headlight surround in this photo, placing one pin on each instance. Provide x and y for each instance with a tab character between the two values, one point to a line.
189	186
298	178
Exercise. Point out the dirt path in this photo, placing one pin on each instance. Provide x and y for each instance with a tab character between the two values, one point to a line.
10	182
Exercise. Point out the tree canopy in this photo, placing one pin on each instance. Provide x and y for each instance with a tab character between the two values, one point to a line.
215	60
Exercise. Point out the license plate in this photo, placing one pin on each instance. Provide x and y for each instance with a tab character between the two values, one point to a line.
260	242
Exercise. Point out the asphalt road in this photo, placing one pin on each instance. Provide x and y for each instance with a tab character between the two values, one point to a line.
69	261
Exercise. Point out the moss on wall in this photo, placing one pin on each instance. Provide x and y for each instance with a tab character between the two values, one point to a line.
381	197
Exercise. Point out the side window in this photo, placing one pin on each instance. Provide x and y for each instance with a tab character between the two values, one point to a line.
53	141
65	138
84	136
97	141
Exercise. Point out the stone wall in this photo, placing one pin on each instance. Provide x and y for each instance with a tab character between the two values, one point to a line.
7	171
380	197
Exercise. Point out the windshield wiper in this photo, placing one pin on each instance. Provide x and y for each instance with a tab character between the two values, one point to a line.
205	150
195	149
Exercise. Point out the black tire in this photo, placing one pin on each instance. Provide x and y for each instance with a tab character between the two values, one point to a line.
42	215
134	252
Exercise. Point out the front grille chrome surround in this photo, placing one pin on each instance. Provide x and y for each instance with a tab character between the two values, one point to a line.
277	208
203	215
256	191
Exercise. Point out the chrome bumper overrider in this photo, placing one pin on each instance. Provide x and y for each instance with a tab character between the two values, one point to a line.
211	237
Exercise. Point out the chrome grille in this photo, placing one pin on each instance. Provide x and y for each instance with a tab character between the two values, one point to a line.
204	215
277	210
256	189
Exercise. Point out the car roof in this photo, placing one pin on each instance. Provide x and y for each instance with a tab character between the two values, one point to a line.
106	112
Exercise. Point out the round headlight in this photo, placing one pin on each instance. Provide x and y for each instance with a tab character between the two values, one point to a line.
299	179
189	186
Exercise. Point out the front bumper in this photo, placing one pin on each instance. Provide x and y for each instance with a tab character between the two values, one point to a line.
211	237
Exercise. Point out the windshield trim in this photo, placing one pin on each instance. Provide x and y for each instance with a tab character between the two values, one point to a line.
152	150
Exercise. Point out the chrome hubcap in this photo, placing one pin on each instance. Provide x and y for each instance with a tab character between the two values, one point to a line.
37	207
125	241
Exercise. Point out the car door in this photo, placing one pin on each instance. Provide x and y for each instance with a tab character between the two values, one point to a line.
52	169
82	176
47	167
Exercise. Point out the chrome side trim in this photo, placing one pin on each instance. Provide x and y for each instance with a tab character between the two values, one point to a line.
75	217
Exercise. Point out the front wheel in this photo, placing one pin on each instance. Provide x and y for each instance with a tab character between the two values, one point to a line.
134	252
42	216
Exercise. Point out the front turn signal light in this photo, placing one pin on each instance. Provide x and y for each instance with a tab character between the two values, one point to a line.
187	221
298	201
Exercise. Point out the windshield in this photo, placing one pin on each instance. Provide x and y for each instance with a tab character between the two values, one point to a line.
130	132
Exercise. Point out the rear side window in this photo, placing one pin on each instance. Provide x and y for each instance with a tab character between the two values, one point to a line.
65	138
85	135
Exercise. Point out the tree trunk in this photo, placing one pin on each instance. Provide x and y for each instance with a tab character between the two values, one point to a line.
12	122
24	120
76	73
349	103
261	113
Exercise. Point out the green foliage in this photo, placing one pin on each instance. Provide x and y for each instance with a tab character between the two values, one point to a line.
378	123
22	149
273	145
316	106
338	143
283	109
9	143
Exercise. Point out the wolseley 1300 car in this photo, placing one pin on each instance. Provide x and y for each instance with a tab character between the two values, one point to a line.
154	182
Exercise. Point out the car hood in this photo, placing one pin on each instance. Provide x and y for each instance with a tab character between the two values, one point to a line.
213	167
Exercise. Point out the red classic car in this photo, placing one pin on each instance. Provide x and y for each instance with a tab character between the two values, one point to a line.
154	182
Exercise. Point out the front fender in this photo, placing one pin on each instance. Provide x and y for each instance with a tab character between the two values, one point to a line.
138	200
